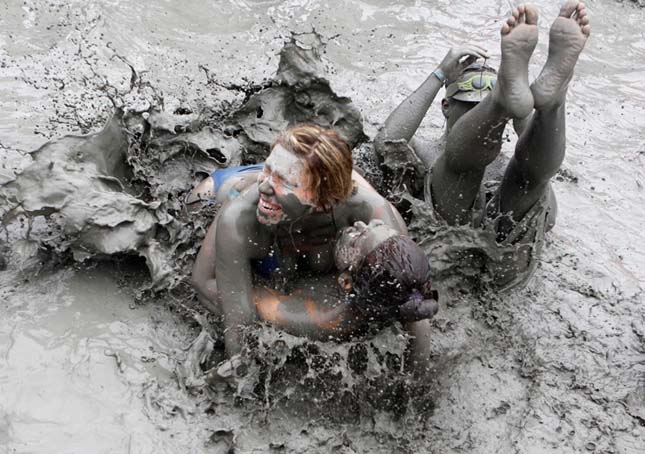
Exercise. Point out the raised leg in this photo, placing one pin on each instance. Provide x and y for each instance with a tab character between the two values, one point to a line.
474	140
541	146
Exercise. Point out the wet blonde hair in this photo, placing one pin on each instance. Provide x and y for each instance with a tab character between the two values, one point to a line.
328	161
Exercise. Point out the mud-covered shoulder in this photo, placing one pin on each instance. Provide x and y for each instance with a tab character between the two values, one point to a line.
366	204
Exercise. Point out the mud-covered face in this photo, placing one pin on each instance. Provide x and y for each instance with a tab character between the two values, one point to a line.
357	241
454	109
284	188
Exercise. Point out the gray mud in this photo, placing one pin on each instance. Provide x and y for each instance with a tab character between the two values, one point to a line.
89	365
120	190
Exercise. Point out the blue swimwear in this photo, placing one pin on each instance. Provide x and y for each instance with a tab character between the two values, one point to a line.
266	266
221	175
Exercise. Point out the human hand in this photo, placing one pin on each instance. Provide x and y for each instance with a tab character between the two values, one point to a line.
417	307
415	310
454	62
227	371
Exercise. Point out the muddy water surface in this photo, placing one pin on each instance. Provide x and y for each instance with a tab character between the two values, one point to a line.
556	367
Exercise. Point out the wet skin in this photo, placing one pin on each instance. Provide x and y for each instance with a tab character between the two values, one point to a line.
275	214
321	308
325	308
359	240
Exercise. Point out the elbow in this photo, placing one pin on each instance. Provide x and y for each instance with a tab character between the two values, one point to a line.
199	281
199	284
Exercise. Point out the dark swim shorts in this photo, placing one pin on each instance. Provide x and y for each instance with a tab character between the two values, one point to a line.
473	251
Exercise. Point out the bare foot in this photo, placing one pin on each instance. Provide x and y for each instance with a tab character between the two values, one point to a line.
519	37
567	38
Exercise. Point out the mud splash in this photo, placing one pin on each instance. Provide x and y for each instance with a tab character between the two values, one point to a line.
120	191
118	194
278	370
557	366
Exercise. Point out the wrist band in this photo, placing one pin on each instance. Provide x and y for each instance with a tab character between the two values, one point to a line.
438	73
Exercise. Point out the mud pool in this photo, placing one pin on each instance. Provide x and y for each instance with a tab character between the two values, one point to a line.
88	364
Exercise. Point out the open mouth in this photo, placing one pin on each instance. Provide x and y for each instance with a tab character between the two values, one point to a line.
268	208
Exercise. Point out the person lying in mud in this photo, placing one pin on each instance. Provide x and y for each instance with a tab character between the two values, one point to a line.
285	226
383	276
477	105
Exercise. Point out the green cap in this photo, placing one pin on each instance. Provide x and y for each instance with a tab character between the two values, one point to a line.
473	84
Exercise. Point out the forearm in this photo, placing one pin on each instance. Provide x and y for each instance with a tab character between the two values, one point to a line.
404	121
234	291
203	275
302	316
406	118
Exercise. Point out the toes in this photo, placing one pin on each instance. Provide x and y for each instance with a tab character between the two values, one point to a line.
569	8
521	10
517	17
584	21
531	15
581	15
586	30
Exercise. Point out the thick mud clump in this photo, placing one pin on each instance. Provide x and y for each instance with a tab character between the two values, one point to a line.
277	370
120	191
555	366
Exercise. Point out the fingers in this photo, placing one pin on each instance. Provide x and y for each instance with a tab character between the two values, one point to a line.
416	310
473	51
469	61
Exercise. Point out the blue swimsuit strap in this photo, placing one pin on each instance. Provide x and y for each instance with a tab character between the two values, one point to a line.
221	175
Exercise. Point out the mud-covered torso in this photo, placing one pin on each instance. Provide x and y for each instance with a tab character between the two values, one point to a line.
302	254
292	249
307	247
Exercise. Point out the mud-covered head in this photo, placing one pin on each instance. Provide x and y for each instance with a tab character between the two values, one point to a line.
386	268
474	83
309	168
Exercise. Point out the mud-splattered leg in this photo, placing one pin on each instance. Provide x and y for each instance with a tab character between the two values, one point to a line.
475	139
540	148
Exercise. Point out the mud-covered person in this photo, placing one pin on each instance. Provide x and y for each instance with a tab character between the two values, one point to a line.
287	222
478	104
381	276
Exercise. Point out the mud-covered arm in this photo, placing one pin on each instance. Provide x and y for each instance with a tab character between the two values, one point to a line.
236	241
203	277
369	204
404	121
379	207
302	315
